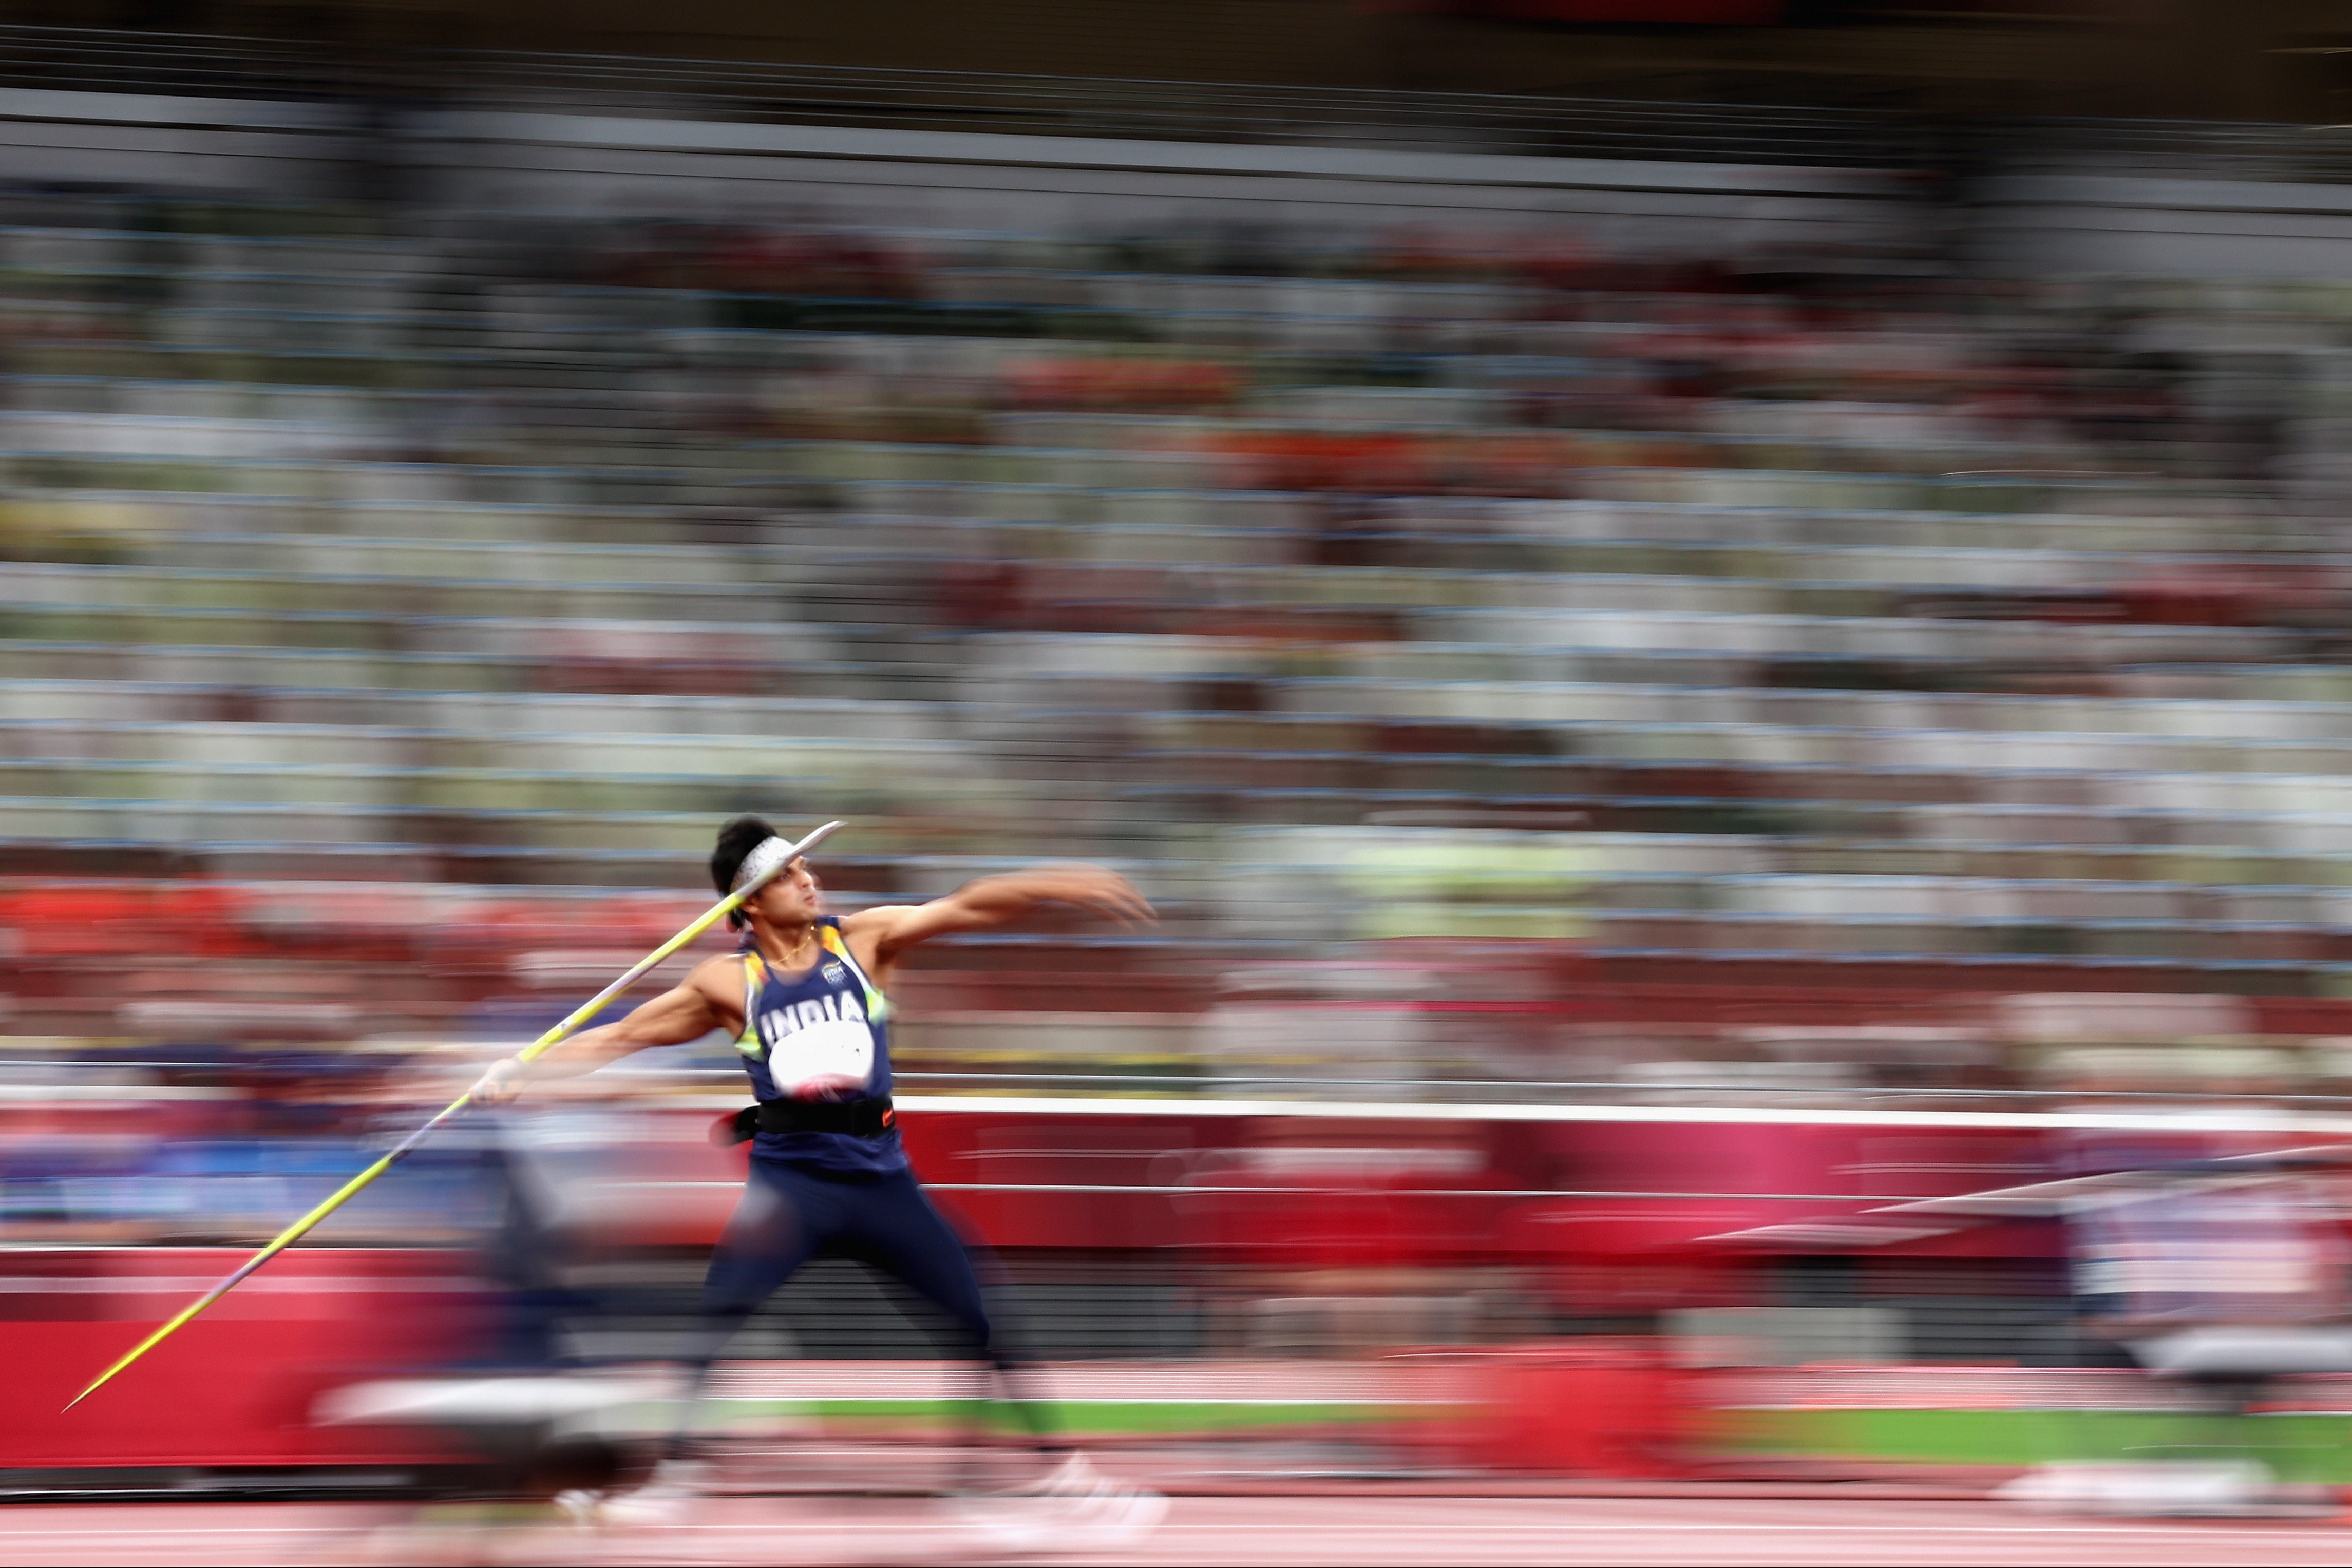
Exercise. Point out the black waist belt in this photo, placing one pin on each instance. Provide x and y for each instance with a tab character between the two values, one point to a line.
860	1118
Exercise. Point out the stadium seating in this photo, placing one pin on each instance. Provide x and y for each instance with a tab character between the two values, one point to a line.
1708	621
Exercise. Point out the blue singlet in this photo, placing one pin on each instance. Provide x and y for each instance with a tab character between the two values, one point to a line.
830	1024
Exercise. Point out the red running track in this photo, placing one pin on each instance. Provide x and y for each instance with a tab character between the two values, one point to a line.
1336	1532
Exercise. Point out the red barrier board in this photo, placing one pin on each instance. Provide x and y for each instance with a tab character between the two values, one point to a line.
233	1389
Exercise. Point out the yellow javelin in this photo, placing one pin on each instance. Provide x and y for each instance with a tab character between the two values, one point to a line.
344	1194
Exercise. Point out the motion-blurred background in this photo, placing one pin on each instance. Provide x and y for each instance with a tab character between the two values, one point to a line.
1705	618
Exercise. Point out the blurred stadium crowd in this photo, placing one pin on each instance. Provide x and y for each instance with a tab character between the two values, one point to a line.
1788	620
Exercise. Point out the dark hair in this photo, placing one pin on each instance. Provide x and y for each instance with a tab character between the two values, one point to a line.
738	839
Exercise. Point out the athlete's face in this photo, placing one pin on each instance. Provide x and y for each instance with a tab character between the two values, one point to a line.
791	897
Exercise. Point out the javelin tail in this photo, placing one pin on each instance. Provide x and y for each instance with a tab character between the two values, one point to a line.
540	1046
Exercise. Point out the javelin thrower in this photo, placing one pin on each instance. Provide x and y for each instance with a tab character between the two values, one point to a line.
804	999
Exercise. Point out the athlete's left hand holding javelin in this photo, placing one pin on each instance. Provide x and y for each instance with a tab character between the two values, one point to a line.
806	999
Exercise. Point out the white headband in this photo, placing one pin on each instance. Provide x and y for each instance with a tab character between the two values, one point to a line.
768	856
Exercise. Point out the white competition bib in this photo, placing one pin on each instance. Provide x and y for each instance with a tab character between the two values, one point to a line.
830	1056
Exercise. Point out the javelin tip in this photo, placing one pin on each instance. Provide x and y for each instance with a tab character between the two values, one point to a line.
103	1378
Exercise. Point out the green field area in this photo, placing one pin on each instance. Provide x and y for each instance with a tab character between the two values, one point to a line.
2296	1445
1079	1417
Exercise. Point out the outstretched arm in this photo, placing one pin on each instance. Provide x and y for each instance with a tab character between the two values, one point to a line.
699	1003
882	934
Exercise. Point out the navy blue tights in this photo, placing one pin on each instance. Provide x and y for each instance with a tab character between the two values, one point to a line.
788	1216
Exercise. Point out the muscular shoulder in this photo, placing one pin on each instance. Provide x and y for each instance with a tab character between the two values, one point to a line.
875	921
721	976
873	935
